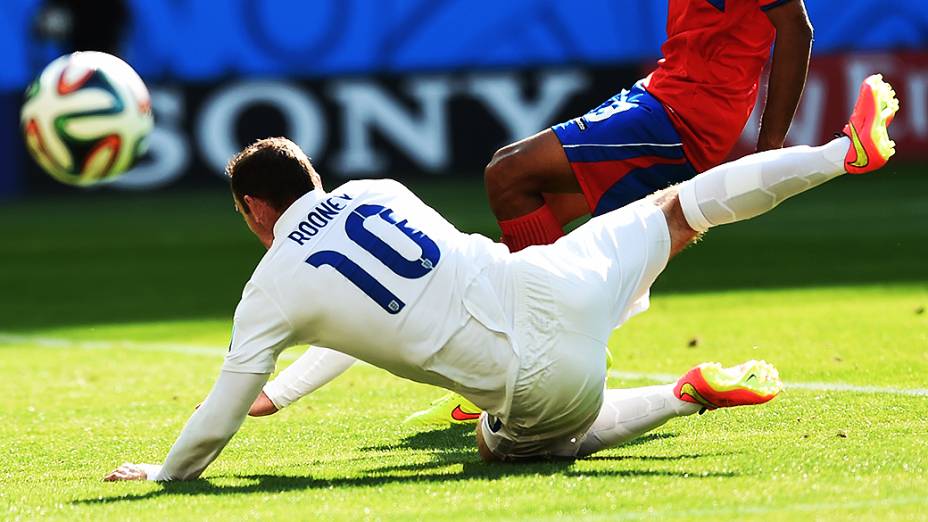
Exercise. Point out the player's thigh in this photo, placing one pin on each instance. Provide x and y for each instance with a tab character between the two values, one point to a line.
602	271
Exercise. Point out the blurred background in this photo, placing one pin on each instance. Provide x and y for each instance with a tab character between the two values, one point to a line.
419	90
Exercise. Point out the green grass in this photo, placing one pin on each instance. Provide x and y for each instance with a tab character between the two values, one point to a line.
101	293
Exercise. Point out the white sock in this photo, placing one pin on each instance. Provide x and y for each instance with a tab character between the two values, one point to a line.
629	413
755	184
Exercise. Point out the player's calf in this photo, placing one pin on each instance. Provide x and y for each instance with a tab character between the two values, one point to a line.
757	183
629	413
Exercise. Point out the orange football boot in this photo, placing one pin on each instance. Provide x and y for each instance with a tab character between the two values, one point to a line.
870	144
711	386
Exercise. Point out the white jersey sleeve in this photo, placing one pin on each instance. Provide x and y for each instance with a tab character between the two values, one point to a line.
210	427
260	332
313	370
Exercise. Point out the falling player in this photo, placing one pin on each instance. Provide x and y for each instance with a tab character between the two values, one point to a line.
682	119
371	270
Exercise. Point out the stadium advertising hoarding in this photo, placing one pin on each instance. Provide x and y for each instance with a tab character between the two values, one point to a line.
442	124
355	127
832	88
320	65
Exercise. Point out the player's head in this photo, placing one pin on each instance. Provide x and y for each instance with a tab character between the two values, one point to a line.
267	177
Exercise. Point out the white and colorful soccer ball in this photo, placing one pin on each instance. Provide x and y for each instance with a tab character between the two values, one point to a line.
86	118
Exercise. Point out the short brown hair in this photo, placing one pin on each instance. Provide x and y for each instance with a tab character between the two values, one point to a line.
273	169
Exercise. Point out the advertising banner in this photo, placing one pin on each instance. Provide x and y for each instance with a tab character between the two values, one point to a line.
449	124
831	91
428	125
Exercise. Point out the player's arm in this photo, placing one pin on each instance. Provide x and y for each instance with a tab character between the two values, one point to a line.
788	72
311	371
260	331
207	432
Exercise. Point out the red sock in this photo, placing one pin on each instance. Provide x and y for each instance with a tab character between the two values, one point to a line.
539	227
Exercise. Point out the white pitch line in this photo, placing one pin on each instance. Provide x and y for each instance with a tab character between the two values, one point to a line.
213	351
816	386
69	344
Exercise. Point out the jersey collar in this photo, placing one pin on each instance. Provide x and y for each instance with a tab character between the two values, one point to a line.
292	216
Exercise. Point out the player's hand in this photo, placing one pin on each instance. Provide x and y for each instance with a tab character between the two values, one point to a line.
127	471
262	406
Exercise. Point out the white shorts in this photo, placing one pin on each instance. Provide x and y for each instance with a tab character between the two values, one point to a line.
567	298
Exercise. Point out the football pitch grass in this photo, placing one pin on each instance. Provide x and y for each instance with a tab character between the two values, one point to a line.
115	315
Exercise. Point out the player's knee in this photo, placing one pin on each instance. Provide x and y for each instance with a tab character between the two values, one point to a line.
507	173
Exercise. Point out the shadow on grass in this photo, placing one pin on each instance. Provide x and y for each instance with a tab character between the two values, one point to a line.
447	447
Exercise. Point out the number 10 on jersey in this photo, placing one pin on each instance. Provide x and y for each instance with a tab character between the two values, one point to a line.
409	269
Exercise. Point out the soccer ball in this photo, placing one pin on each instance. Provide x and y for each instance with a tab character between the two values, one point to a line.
86	118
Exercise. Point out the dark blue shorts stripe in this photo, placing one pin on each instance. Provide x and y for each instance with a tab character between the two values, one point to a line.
602	152
774	4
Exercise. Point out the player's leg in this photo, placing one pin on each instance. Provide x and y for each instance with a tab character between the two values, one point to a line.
618	153
445	411
516	180
627	414
757	183
728	193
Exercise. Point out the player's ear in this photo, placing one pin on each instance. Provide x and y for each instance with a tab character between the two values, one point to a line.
248	203
261	211
241	206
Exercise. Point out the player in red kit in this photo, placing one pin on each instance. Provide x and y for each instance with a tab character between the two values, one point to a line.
682	119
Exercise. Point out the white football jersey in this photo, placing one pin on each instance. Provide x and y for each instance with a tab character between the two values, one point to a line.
367	269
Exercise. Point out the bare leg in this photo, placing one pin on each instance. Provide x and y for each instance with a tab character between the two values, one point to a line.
520	174
681	234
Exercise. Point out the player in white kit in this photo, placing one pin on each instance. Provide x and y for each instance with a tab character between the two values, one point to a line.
372	272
